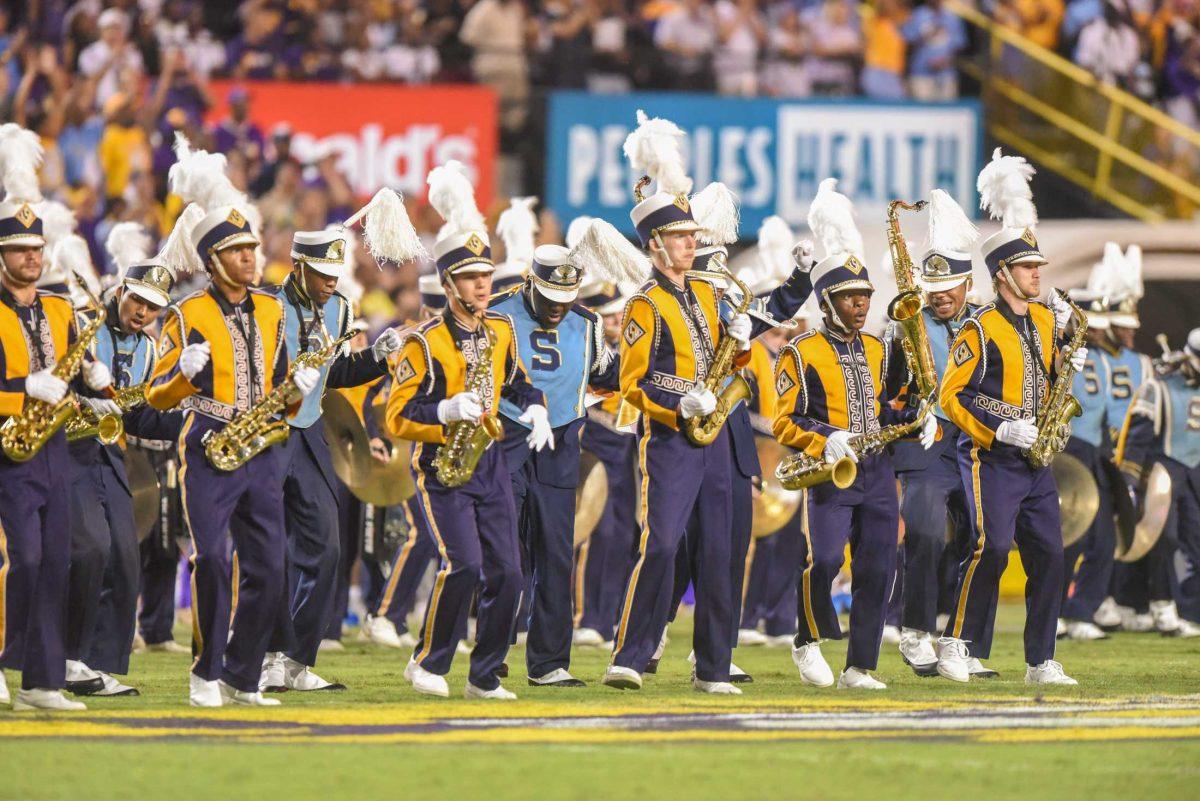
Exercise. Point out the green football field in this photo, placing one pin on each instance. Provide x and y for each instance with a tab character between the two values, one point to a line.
1130	730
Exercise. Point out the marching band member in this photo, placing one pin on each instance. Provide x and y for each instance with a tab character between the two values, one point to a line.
516	226
221	351
474	522
36	330
669	337
1163	428
1014	337
105	560
316	314
832	385
929	478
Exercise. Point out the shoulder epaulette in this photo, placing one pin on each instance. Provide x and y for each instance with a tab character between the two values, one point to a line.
585	312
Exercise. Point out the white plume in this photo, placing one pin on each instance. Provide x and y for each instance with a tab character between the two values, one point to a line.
577	229
388	233
715	209
199	177
20	158
1133	271
453	197
831	218
950	230
178	252
1004	191
603	253
58	222
775	242
127	243
655	148
516	228
73	260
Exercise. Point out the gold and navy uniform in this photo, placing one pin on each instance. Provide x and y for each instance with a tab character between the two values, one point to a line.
667	341
35	524
474	525
827	383
248	359
1001	369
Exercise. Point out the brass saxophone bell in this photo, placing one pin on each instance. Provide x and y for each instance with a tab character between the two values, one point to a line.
109	429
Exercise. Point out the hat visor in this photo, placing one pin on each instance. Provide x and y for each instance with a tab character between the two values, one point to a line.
944	284
149	294
24	240
245	238
851	286
680	227
1124	321
472	267
1032	260
557	295
333	269
1098	321
612	307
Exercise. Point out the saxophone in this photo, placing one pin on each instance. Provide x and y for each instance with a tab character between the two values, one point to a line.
457	458
703	430
260	427
905	308
21	437
1054	418
107	428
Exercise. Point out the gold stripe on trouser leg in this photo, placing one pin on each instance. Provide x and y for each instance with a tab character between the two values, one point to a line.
446	567
235	582
181	450
806	576
746	574
644	522
4	566
961	609
401	560
580	569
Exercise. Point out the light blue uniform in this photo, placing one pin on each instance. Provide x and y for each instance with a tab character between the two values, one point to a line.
1092	388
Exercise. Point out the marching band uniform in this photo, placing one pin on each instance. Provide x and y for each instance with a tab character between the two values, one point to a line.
474	524
160	552
1001	372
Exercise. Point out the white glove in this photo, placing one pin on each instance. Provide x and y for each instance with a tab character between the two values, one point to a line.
102	406
97	376
45	386
306	380
837	446
739	329
537	418
1020	433
1060	307
802	254
929	431
386	344
193	358
1078	357
697	403
463	406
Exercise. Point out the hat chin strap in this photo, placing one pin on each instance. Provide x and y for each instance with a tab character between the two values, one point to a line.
662	249
833	315
1012	284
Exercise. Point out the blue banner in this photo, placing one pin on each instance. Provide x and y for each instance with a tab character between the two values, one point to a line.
772	153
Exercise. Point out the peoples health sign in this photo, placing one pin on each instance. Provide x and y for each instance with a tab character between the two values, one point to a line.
772	153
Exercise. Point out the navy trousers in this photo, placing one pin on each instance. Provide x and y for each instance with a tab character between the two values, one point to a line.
408	567
102	600
313	536
679	480
1011	501
246	504
35	554
603	562
1083	596
1182	534
926	498
160	554
866	514
476	531
771	592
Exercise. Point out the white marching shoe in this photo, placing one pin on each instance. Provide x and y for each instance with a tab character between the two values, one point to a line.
854	679
381	631
978	670
5	698
299	677
1166	616
42	698
622	678
891	635
1084	631
202	692
814	670
1187	629
1060	629
1108	614
498	694
114	689
715	687
1134	622
750	637
953	659
231	695
1049	672
588	638
916	648
330	644
424	682
273	678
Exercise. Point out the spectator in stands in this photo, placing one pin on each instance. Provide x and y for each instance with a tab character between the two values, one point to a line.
498	32
1181	66
179	87
80	137
1077	16
741	33
565	41
935	36
278	153
124	146
258	51
1109	47
237	131
442	26
1037	20
835	32
609	70
414	59
112	61
687	36
44	110
883	61
784	71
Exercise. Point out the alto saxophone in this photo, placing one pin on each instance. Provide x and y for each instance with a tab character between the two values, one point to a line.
905	308
1054	418
457	458
260	427
108	428
703	430
22	436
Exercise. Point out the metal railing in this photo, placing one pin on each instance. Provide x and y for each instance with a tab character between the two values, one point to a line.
1121	149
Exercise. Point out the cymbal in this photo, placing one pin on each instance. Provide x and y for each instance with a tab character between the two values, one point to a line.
1148	530
1078	496
371	481
590	496
143	483
774	506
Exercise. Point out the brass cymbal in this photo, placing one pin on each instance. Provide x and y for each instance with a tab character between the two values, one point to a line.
590	496
1078	496
774	506
371	481
1132	546
143	484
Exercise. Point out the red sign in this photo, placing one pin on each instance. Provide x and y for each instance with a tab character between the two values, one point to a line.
385	134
